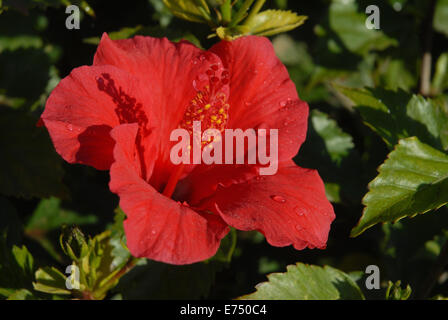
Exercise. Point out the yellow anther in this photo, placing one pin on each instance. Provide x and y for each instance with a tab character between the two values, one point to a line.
207	106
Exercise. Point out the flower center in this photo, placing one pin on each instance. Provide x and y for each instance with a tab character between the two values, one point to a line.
210	105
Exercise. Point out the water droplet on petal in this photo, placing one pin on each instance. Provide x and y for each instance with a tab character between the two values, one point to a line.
185	203
279	199
195	85
299	211
69	127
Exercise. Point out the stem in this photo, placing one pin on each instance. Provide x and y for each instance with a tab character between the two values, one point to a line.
437	270
172	181
129	265
226	11
241	13
425	81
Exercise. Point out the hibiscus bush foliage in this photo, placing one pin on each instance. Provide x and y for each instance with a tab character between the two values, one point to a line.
377	135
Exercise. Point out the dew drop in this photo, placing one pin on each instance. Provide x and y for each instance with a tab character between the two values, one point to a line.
69	127
299	211
279	199
185	203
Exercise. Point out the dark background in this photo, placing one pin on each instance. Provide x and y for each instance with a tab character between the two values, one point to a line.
36	50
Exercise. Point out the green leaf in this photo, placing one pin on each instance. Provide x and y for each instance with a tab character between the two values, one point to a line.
337	142
307	282
117	240
396	115
49	216
265	23
189	10
395	292
347	21
162	13
16	268
440	21
74	243
50	280
174	35
123	33
101	260
413	180
24	34
270	22
394	74
24	259
331	151
22	294
440	79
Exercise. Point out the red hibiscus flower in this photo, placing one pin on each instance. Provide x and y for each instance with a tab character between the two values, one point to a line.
118	114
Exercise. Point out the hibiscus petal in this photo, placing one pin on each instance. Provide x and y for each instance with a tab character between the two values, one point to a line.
170	71
260	88
203	181
158	227
288	208
83	108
